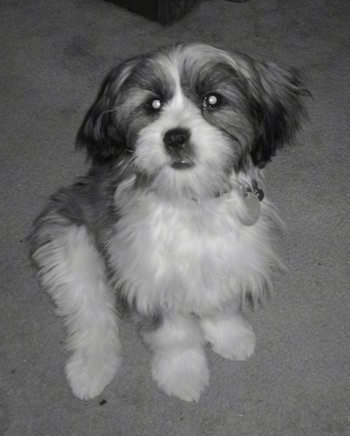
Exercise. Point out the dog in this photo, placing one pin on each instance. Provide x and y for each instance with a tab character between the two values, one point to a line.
171	218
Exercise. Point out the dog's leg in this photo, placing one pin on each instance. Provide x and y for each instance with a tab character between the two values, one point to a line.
230	334
74	275
179	364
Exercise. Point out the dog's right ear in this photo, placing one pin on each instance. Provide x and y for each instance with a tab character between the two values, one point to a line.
100	132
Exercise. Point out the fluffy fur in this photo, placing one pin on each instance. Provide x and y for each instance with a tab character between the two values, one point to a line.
176	139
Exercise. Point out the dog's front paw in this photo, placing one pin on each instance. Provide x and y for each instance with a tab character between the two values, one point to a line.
184	375
239	345
231	337
89	375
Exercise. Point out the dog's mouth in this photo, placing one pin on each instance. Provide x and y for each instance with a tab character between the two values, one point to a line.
182	164
181	160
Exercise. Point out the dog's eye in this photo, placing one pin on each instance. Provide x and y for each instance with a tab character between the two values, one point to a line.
154	105
212	100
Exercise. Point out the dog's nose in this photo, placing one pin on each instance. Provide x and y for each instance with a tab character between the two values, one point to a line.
176	139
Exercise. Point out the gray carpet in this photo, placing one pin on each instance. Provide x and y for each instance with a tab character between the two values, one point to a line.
53	57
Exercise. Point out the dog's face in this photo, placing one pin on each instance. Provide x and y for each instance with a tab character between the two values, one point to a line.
186	118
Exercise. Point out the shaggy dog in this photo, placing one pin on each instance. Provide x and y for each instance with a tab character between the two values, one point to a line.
170	218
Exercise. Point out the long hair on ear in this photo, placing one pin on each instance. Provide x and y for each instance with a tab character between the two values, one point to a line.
100	133
275	96
277	108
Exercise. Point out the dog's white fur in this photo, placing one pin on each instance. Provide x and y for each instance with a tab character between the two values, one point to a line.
169	236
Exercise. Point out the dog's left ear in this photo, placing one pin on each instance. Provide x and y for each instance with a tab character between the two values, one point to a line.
277	108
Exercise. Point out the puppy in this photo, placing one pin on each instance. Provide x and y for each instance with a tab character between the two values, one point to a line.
171	217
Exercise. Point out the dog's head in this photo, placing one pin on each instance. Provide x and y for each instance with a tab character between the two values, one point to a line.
187	117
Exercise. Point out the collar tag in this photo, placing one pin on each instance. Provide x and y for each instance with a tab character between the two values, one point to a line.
251	201
252	209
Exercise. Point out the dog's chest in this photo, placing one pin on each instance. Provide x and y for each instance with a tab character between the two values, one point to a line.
192	256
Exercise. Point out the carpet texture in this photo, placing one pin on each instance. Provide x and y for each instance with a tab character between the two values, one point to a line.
54	55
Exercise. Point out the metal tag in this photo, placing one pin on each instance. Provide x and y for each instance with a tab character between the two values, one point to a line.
252	213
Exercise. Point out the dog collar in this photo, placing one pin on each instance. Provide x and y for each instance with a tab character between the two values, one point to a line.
259	193
256	191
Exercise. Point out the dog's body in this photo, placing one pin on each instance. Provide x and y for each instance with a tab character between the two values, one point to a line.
169	217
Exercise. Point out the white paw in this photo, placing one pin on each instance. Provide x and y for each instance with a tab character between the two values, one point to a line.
240	346
230	337
184	375
89	375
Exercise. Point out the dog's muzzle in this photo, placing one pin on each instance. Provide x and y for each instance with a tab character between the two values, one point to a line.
177	144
